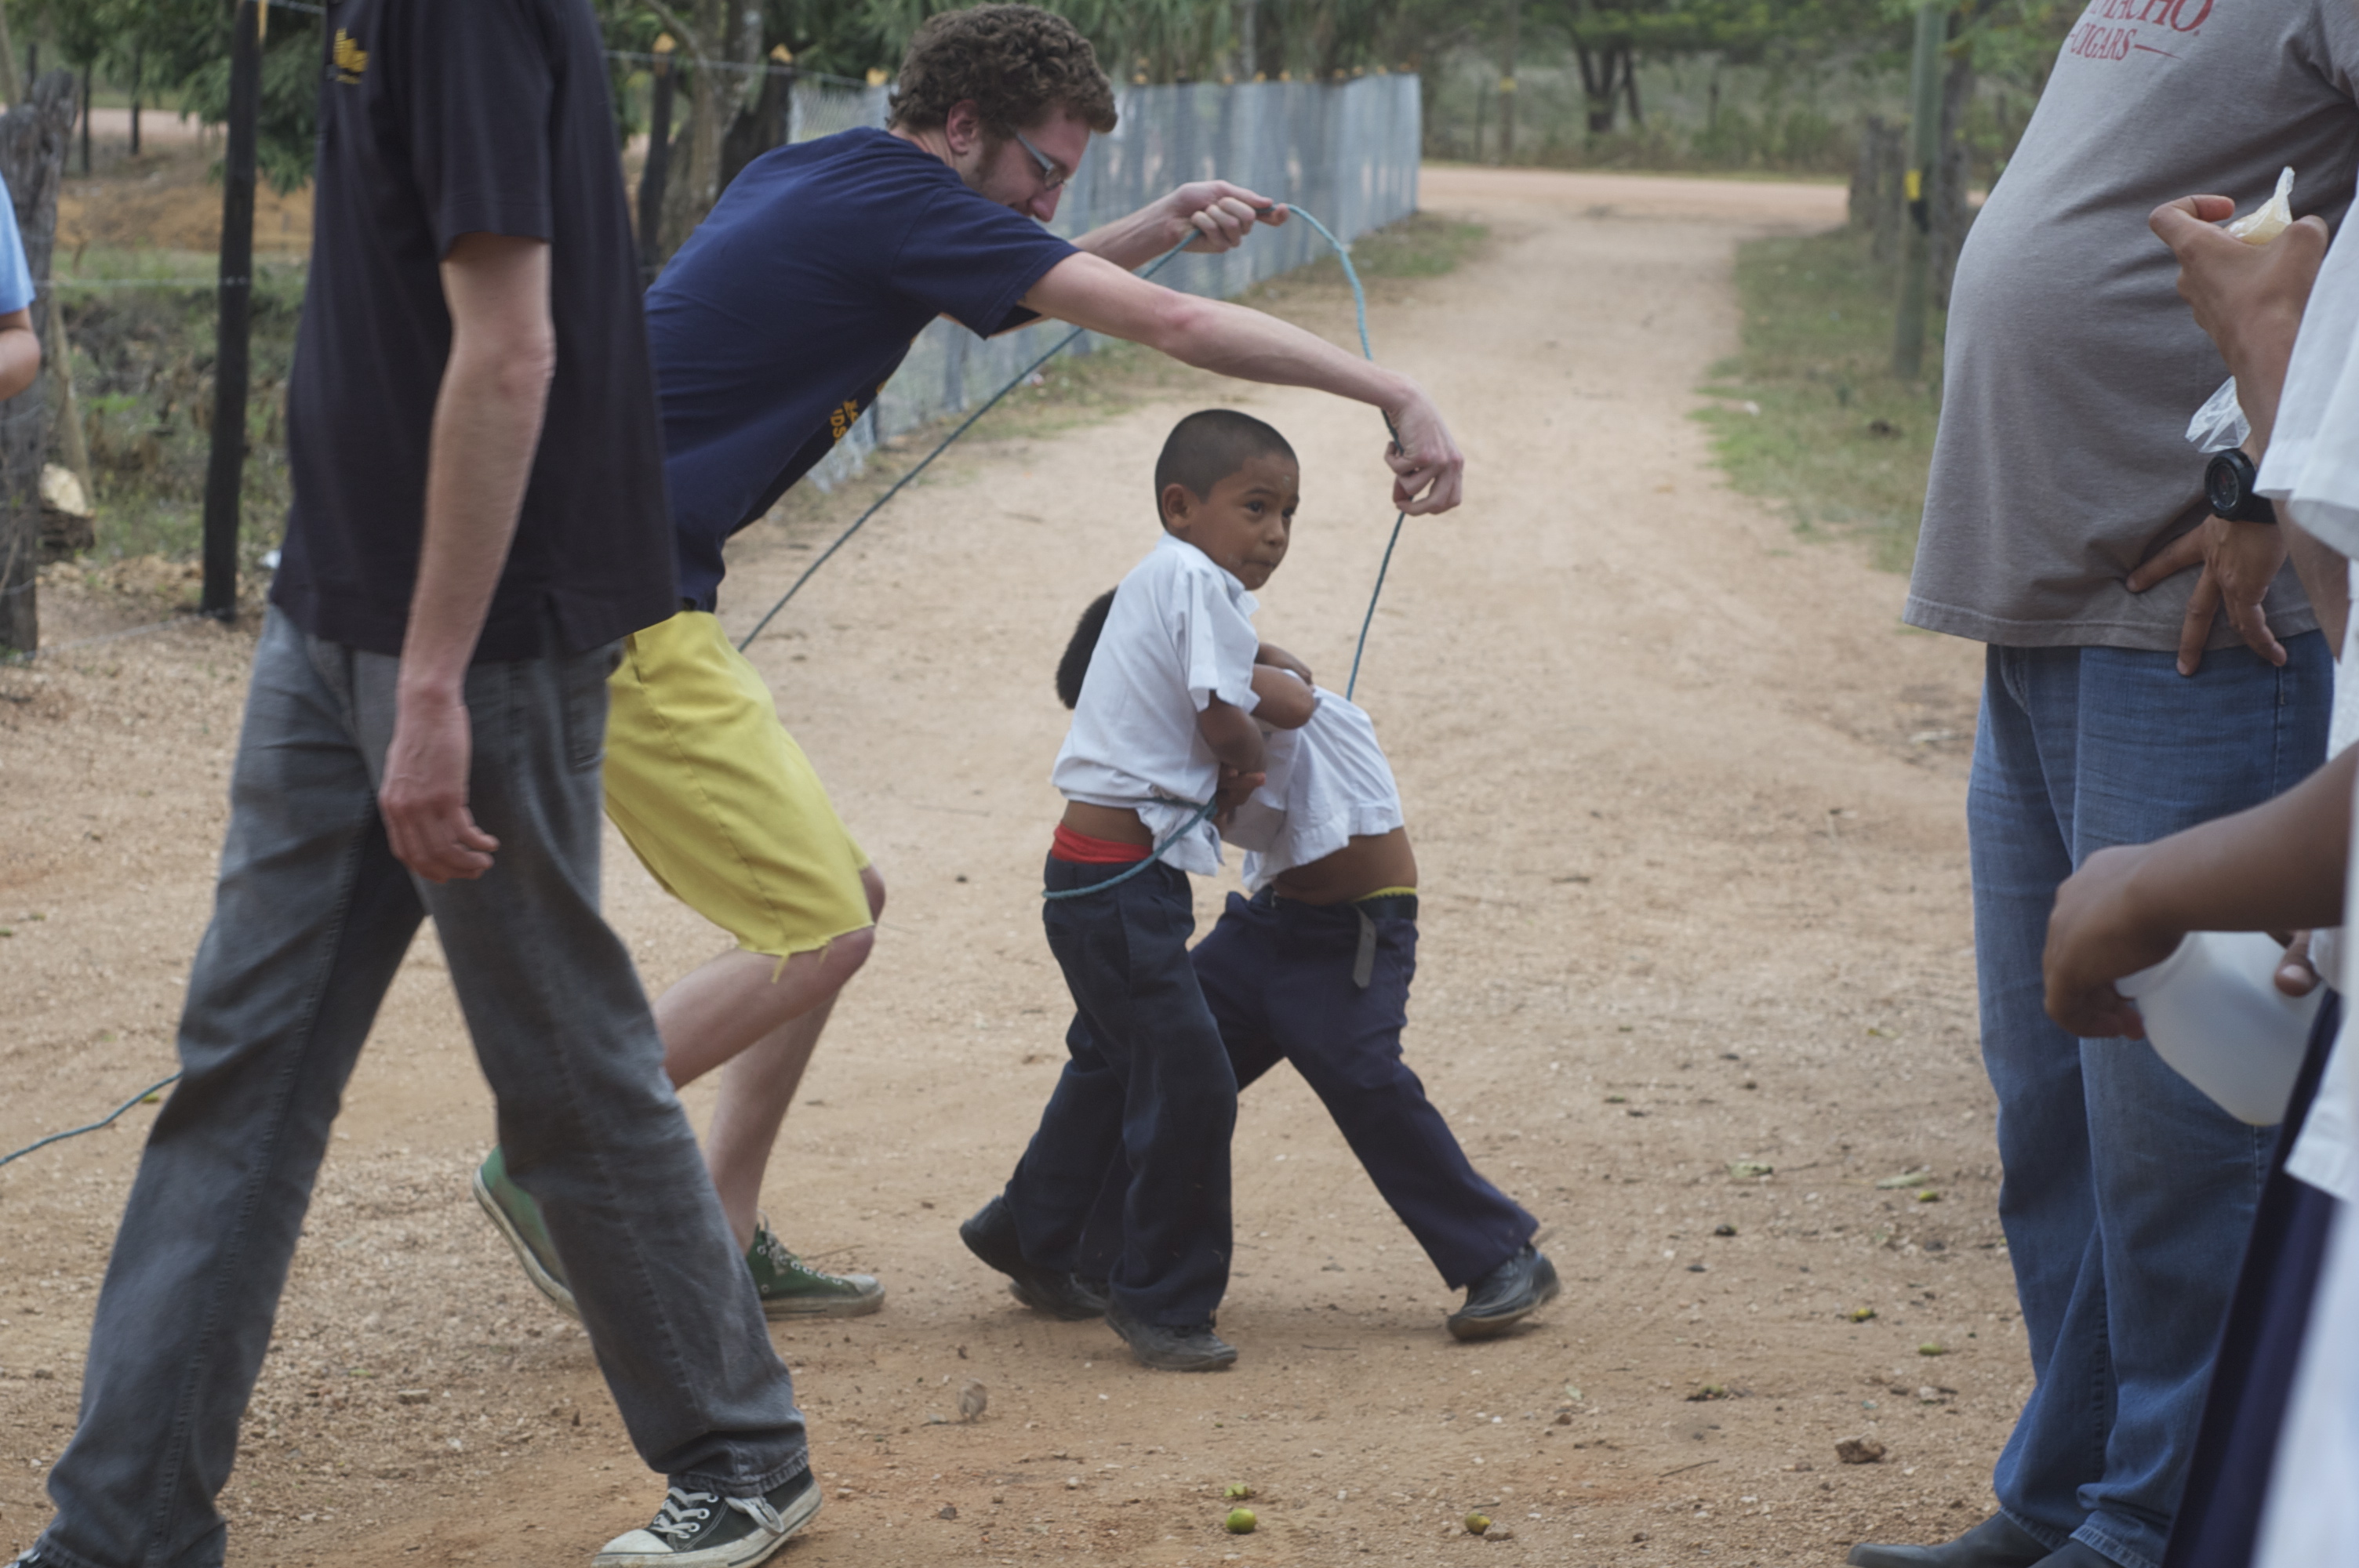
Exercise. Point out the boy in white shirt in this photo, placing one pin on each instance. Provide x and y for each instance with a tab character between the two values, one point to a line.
1164	735
1314	967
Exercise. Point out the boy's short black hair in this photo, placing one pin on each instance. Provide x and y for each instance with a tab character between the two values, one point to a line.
1075	666
1209	446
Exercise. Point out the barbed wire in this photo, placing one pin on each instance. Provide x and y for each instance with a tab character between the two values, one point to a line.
9	659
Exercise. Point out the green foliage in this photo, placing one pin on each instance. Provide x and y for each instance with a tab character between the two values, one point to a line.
143	366
1836	440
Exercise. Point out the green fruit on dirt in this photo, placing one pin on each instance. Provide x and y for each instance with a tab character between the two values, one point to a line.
1477	1523
1241	1521
1236	1491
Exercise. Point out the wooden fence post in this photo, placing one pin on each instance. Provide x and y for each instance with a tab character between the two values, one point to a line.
34	136
225	470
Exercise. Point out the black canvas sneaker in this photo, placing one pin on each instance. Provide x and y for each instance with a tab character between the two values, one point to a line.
701	1530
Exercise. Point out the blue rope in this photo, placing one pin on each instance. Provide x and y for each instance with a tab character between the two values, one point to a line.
941	446
1360	305
1360	308
93	1127
1185	829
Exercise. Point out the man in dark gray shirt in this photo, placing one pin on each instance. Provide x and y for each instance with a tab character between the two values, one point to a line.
2066	527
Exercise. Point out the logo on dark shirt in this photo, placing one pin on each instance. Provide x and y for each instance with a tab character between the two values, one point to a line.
842	419
350	59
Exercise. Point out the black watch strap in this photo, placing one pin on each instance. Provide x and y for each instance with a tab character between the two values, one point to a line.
2228	489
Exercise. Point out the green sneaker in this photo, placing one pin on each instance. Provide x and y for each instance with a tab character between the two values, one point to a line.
518	1217
792	1288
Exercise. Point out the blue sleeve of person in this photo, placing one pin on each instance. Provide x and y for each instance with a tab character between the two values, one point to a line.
16	277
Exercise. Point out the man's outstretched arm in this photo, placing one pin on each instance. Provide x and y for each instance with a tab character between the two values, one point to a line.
1218	216
487	421
1211	334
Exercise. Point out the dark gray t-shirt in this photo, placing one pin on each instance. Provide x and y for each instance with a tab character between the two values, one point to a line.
2073	366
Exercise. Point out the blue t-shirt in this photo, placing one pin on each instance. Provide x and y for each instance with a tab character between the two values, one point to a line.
793	303
16	277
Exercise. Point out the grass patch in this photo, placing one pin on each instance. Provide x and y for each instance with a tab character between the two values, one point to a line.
1838	440
1423	245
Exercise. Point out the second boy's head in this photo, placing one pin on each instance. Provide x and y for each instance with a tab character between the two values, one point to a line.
1229	484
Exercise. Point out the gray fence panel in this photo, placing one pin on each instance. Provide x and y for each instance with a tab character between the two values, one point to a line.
1344	151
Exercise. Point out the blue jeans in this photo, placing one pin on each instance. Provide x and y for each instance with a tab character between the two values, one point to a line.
1148	1082
2127	1194
312	918
1279	977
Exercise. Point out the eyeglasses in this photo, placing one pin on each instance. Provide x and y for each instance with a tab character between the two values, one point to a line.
1052	177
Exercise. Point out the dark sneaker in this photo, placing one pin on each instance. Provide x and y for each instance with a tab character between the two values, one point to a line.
1507	1296
702	1530
991	1236
518	1217
1192	1348
1996	1542
792	1288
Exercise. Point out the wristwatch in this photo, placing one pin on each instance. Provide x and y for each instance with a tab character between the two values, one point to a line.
2228	487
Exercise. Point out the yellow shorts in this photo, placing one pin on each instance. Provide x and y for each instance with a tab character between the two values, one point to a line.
716	799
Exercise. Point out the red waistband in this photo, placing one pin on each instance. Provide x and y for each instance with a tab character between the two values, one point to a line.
1083	851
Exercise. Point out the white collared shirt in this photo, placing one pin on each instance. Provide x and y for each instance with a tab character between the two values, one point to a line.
1327	782
1178	635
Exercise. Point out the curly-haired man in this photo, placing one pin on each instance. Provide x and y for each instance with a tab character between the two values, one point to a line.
774	329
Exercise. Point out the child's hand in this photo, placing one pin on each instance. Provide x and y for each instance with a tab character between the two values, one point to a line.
2100	930
1235	789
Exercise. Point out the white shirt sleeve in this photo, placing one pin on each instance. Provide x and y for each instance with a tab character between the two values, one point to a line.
2311	468
1216	643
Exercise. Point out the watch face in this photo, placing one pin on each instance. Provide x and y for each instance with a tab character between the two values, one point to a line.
2223	485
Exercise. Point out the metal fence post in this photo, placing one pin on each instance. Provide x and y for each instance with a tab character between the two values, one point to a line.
1924	152
225	471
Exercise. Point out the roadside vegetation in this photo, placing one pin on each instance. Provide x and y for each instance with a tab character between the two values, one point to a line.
1808	414
143	363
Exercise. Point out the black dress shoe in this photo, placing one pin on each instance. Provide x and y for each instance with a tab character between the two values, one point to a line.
1996	1542
1193	1347
1507	1296
991	1236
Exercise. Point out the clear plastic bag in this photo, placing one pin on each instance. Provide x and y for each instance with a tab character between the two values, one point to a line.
2271	218
2220	424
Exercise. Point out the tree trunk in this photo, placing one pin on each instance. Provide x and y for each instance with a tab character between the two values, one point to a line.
1630	84
1507	84
694	182
1950	215
761	125
1860	207
10	87
137	60
34	136
1600	83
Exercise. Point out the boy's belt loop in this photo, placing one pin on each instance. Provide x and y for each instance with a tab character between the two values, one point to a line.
1364	965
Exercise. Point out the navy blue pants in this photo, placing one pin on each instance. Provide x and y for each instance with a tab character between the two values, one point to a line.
1284	980
2219	1518
1146	1089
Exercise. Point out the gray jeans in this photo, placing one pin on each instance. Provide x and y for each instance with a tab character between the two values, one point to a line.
310	920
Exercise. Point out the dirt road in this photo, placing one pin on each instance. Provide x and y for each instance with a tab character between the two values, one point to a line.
1688	803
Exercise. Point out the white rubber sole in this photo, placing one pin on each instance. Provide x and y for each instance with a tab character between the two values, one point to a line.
548	1285
742	1554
